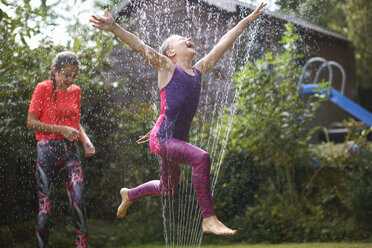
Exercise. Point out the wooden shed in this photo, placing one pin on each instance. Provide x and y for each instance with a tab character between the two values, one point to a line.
206	21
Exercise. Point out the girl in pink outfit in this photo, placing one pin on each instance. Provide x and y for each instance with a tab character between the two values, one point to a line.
179	84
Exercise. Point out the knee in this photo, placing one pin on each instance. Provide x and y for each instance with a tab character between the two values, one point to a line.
76	176
45	204
204	159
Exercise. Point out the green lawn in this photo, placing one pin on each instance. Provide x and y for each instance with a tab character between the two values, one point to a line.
307	245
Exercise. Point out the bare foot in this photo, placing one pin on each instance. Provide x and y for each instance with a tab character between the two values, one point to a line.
125	203
212	225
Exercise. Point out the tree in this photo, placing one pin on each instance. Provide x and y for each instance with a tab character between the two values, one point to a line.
359	21
20	69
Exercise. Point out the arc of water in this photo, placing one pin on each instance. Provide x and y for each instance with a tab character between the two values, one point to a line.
218	164
247	57
192	206
195	225
190	209
196	234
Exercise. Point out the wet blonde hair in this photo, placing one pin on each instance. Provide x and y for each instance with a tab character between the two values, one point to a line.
167	44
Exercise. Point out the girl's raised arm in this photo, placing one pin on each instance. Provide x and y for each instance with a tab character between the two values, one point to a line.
207	63
108	23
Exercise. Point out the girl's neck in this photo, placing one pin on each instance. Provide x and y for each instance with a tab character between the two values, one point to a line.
185	65
184	62
62	87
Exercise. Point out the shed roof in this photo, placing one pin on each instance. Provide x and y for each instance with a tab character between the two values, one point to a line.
125	7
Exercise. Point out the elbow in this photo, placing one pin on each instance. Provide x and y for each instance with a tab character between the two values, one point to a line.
30	123
31	118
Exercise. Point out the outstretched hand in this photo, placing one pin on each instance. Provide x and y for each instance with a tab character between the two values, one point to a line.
257	12
106	23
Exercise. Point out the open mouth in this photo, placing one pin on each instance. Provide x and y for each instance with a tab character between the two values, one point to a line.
189	45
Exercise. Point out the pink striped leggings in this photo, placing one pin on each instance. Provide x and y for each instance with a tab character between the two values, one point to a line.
174	152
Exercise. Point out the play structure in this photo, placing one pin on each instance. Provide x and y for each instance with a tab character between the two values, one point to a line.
332	94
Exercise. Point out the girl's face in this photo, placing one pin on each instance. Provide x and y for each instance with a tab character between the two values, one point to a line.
183	46
66	76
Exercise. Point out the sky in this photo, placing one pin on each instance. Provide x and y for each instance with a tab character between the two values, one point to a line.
83	11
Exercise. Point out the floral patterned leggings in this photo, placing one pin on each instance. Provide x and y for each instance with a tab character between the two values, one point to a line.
59	157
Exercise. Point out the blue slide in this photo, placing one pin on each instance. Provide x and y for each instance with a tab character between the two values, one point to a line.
341	100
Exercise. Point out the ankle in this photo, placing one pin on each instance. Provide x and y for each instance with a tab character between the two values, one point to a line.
210	219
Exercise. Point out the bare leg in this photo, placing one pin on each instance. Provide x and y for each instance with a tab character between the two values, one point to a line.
212	225
125	203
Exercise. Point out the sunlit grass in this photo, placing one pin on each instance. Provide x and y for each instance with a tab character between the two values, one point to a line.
307	245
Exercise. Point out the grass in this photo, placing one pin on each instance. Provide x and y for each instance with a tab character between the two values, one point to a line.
306	245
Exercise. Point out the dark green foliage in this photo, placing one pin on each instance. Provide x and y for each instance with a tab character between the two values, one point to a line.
20	69
352	189
237	185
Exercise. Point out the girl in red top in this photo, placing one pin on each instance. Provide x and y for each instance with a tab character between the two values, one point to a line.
55	115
